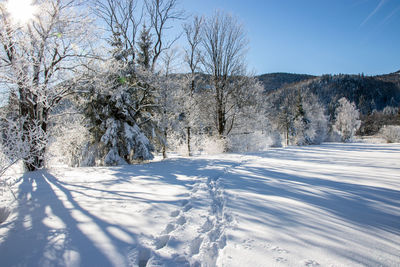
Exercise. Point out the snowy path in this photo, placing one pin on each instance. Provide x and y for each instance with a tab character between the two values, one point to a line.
329	205
195	234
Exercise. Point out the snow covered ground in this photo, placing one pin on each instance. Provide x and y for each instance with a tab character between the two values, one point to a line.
328	205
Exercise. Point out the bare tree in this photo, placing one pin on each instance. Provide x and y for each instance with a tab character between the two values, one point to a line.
224	46
39	62
193	36
122	18
160	13
192	32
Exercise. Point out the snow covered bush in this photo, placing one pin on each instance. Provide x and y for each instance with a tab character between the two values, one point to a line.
391	133
347	120
211	145
390	110
69	138
250	142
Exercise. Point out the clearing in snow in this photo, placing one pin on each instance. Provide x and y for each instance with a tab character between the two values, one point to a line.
328	205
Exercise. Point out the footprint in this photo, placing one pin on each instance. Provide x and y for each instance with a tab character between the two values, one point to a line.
155	262
161	241
280	259
139	256
248	244
187	207
222	241
207	226
184	202
195	245
214	234
169	228
175	213
181	220
279	250
310	263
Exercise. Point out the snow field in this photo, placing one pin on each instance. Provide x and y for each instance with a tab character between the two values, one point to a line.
328	205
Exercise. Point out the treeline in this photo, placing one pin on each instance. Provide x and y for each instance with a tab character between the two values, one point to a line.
93	82
376	97
102	83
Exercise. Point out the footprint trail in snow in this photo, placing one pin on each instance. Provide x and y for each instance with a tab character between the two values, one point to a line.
195	233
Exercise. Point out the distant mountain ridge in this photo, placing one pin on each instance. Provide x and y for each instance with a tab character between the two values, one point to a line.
274	81
368	92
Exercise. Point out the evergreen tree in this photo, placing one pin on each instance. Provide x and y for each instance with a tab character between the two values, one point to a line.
145	48
120	109
119	113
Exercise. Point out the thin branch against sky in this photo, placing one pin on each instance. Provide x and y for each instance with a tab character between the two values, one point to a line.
316	36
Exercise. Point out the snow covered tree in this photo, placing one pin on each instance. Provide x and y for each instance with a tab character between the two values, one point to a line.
310	124
122	23
192	33
169	87
40	60
145	52
281	112
119	108
160	13
299	116
15	142
122	100
391	133
347	120
224	45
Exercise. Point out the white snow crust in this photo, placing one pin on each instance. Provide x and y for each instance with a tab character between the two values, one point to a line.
327	205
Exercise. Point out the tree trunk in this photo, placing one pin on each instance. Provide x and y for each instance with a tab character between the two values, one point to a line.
32	114
188	142
164	146
220	118
287	137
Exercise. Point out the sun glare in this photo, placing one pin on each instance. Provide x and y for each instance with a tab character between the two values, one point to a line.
21	11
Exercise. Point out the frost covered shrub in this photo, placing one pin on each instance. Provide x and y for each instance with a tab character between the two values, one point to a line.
390	110
347	120
391	133
68	143
252	142
212	145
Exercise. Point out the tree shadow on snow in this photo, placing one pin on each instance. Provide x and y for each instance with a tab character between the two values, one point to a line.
52	229
343	204
48	232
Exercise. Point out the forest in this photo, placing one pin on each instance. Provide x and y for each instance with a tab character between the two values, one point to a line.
92	83
133	134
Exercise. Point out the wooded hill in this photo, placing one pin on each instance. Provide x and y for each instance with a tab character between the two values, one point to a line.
376	97
367	92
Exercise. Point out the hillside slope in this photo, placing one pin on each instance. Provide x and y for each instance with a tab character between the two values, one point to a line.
274	81
368	92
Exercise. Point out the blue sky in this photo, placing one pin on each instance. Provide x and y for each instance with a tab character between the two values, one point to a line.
315	36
